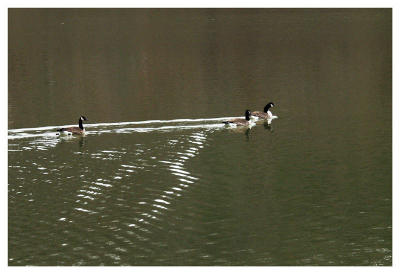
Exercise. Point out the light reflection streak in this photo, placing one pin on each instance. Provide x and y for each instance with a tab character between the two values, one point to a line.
50	131
184	180
44	138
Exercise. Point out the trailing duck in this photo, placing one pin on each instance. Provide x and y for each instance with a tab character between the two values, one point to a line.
74	130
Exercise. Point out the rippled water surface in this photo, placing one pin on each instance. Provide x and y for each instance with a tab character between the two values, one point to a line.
158	179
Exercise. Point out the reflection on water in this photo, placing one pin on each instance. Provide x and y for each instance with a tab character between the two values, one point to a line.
99	193
123	199
268	126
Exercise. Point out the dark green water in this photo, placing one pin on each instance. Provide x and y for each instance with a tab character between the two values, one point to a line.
157	180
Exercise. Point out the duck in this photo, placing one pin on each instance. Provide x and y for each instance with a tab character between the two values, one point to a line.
266	114
240	121
74	130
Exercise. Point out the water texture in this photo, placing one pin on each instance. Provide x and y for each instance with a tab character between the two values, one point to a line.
158	179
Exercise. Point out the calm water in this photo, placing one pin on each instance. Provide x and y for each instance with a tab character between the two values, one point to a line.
158	180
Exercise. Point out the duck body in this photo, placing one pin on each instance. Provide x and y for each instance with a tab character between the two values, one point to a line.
71	130
240	122
80	130
264	115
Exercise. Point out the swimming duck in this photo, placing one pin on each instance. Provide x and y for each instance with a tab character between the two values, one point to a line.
240	121
266	114
74	130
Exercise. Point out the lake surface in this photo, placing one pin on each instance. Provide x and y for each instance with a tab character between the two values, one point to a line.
158	179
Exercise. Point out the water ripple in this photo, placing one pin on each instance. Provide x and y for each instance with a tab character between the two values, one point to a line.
128	196
47	133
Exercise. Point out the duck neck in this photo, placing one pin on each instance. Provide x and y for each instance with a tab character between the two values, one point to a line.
266	108
80	124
